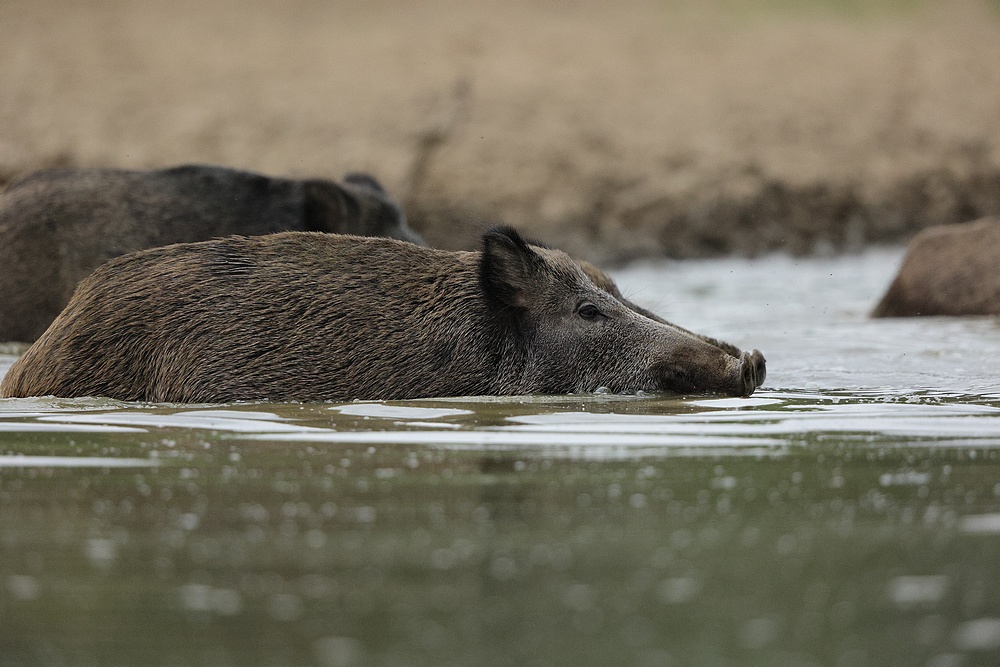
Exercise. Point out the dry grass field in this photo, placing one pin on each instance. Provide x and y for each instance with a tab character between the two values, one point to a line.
617	130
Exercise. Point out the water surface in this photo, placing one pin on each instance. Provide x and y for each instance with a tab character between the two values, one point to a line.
846	514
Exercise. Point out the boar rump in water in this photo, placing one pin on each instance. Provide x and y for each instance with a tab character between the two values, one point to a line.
312	317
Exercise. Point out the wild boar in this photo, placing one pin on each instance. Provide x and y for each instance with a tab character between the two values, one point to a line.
948	270
316	317
58	225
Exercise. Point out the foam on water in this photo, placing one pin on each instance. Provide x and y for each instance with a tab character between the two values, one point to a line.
590	445
982	524
397	411
69	427
189	419
24	461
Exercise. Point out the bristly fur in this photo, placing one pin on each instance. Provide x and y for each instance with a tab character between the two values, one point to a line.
309	316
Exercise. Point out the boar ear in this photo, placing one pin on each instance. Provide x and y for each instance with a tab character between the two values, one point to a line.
328	207
509	268
365	181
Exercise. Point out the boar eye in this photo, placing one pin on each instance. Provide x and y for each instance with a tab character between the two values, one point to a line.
589	311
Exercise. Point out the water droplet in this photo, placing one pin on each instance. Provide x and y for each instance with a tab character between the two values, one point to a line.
503	568
338	652
284	607
196	597
23	586
677	590
786	545
225	601
364	514
579	597
910	591
759	632
981	634
100	551
443	559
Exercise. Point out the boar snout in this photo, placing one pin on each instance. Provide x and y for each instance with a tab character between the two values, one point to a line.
746	377
759	366
749	374
724	374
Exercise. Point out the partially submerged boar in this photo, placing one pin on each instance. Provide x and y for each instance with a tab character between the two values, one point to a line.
315	317
58	225
948	270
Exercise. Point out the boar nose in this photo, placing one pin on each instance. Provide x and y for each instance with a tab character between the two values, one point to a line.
742	376
717	372
759	365
748	373
745	375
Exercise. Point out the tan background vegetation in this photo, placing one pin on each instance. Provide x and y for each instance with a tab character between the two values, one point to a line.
617	130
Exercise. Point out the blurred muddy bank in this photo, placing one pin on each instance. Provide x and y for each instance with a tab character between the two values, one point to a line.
650	128
749	215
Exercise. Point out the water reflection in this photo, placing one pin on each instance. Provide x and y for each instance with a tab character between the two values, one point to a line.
579	529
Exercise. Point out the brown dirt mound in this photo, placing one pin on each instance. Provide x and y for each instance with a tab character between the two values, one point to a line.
642	128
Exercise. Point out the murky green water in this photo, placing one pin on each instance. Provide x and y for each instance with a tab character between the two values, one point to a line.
847	514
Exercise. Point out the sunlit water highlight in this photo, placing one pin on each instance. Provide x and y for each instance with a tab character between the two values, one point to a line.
846	514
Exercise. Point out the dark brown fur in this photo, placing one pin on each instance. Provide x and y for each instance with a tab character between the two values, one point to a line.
311	317
58	225
948	270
